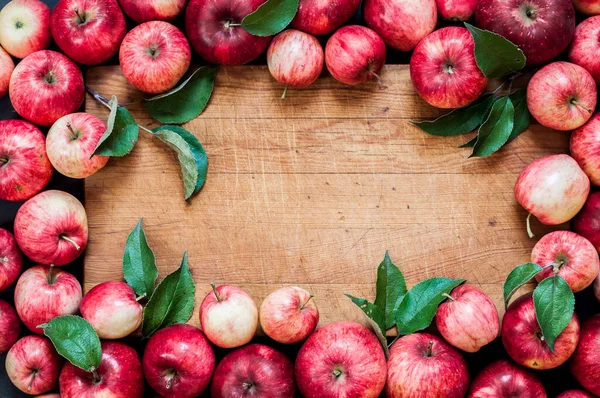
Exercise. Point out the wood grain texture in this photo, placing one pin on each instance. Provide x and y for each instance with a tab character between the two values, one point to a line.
312	191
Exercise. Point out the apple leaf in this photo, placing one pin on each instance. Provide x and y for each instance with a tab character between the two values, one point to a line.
139	264
376	318
522	114
517	278
200	157
417	309
496	129
271	17
391	288
76	340
121	133
495	56
470	143
189	171
172	301
554	304
186	101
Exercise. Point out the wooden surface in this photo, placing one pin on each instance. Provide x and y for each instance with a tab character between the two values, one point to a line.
312	191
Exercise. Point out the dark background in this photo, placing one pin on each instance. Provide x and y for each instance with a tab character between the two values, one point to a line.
555	381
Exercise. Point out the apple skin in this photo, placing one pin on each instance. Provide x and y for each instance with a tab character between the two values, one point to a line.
152	10
521	336
71	142
585	44
163	51
295	58
580	263
25	27
51	228
585	363
422	365
255	370
456	10
112	310
597	288
120	374
92	34
59	91
322	17
505	379
11	260
469	320
6	69
24	166
57	293
574	394
587	221
542	29
444	71
342	359
229	320
288	315
178	361
553	188
585	148
383	15
33	365
589	7
207	25
10	326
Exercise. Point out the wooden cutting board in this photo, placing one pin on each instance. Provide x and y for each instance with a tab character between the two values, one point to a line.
312	191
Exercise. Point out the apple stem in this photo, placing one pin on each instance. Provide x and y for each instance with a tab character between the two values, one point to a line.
143	296
81	17
529	233
4	260
71	241
448	296
33	374
74	135
284	92
247	385
51	276
306	302
95	374
585	108
3	159
377	77
430	348
214	289
336	373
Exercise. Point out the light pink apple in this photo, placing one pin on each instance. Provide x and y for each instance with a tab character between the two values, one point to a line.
112	310
10	326
25	27
51	228
6	69
585	148
289	315
321	17
574	394
152	10
504	379
585	44
456	10
590	7
45	292
71	142
585	363
11	260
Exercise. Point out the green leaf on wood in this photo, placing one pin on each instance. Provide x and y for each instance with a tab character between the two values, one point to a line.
376	318
271	17
139	264
522	114
189	170
391	288
121	132
554	304
496	130
517	278
470	143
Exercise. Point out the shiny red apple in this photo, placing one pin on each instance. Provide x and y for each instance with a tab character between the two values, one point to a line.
504	379
574	394
585	44
11	260
590	7
587	221
322	17
10	326
152	10
585	363
6	69
585	148
25	27
456	10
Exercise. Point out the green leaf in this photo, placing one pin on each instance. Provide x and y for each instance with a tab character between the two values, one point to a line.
121	132
459	121
76	340
172	301
391	288
186	101
522	115
417	309
494	132
495	56
200	157
517	278
376	318
271	17
470	143
139	264
189	171
554	304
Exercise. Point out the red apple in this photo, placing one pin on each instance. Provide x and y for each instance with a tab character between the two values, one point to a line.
88	31
456	10
228	316
255	370
25	27
45	292
585	45
585	148
468	319
112	310
562	96
179	361
423	365
355	54
597	288
118	376
56	81
215	32
524	342
590	7
342	359
553	188
6	69
289	315
574	394
33	365
10	326
504	379
443	69
11	260
71	142
585	363
154	56
295	58
321	17
48	396
587	222
541	28
152	10
51	228
24	167
576	258
401	23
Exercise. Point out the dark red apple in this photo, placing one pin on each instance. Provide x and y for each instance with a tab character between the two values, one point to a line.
504	379
585	363
321	17
574	394
587	221
10	326
11	259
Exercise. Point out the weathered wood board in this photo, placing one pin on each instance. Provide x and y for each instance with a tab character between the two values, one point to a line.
312	191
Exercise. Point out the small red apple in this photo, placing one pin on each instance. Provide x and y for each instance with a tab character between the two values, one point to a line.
585	44
589	7
456	10
321	17
6	69
10	326
152	10
574	394
587	222
11	260
585	148
25	27
585	363
504	379
255	370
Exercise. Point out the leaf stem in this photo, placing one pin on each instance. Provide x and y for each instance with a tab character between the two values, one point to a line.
214	288
394	340
529	233
306	302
